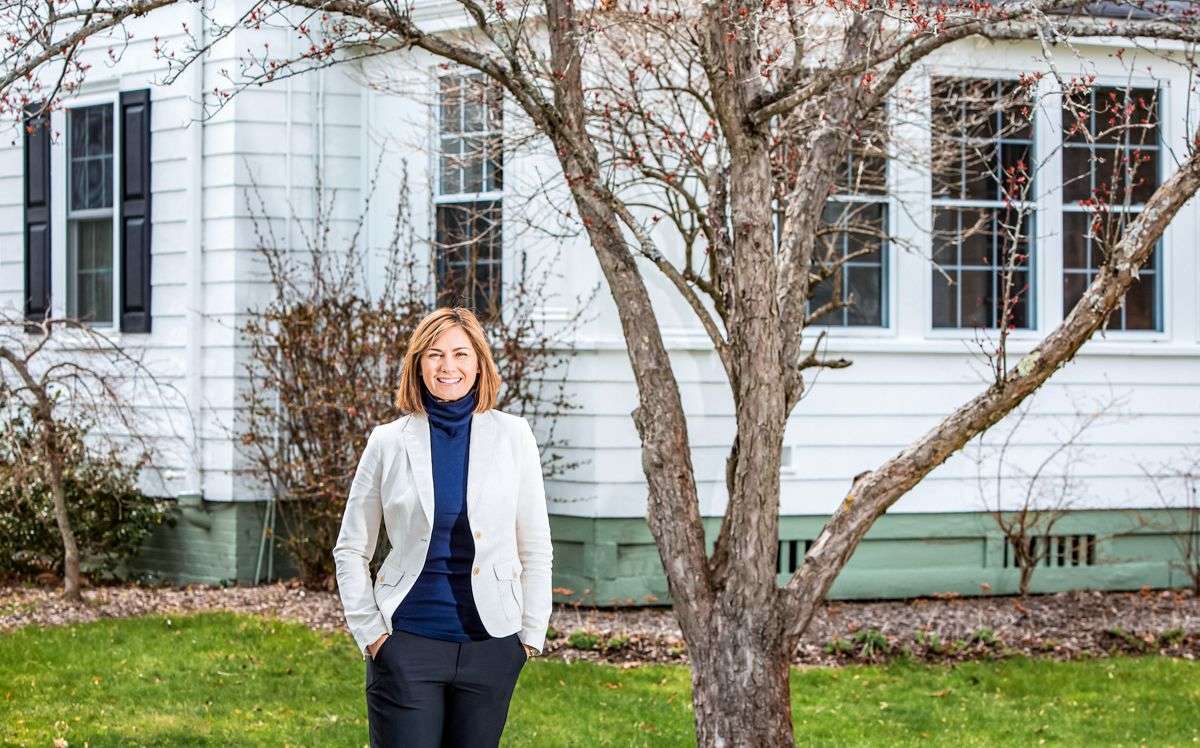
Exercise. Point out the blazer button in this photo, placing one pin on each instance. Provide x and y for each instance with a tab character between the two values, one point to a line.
476	570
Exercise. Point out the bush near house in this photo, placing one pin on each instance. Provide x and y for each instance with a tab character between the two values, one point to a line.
110	516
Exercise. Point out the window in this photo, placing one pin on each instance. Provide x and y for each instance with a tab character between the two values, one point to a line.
983	220
90	182
99	232
1110	168
468	196
850	256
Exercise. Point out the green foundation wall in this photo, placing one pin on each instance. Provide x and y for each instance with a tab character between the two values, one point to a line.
611	562
614	561
211	543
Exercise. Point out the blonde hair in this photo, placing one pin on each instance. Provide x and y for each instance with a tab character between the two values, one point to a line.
487	383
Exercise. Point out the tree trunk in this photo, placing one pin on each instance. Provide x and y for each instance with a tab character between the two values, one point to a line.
740	688
1027	568
54	477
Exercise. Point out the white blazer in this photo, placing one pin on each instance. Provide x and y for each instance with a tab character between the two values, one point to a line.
506	508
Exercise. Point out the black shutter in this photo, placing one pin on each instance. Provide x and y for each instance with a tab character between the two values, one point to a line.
37	213
135	211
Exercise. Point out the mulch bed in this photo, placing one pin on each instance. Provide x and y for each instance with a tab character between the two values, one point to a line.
1067	625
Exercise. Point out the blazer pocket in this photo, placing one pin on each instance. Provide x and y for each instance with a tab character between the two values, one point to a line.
508	587
389	575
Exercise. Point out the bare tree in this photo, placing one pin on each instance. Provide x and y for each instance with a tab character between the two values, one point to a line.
736	76
1027	503
325	354
59	373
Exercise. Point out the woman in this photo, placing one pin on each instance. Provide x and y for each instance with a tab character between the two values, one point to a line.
463	597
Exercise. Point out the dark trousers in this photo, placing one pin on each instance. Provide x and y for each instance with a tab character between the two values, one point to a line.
428	693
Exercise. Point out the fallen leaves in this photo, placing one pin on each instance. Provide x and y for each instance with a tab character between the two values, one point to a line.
1063	626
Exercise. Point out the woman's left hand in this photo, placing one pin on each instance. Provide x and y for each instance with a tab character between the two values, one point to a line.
529	651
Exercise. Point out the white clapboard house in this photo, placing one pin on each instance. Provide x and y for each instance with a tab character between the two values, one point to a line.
136	213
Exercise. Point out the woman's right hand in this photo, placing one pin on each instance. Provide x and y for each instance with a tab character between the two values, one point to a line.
373	647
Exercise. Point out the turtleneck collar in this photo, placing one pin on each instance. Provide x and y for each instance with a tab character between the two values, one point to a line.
450	416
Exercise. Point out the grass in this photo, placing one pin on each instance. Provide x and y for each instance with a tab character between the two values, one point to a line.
225	679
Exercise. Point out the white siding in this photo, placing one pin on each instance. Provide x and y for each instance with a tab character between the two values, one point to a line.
905	378
245	137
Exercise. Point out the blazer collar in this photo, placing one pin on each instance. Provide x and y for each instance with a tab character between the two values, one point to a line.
479	458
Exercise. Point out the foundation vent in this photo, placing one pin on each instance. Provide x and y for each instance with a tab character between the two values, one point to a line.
1056	550
791	554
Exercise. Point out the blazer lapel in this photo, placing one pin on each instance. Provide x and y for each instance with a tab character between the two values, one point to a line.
420	458
483	442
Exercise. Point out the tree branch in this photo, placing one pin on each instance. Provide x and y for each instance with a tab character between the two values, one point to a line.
874	492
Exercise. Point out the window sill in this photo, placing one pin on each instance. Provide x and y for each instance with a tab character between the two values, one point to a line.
1125	345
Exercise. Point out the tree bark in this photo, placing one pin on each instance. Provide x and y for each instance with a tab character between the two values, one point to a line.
740	686
72	591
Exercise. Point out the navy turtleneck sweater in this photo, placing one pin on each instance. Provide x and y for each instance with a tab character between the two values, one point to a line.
440	604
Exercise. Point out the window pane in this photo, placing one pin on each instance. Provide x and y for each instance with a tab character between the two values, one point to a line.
820	295
474	104
853	257
1017	171
945	299
865	294
1077	174
472	164
865	226
1017	112
1143	175
1140	303
865	168
976	298
469	250
1018	300
450	114
1075	240
470	117
1125	116
1123	166
977	237
90	156
947	168
980	127
990	244
450	164
1074	284
90	260
945	236
495	164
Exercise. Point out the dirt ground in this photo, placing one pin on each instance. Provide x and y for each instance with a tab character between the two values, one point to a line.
1063	626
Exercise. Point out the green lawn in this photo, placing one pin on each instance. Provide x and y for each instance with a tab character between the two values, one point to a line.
223	679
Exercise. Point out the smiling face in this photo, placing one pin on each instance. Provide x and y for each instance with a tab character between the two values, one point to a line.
450	366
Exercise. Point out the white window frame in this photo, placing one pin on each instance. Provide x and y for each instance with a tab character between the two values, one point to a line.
888	273
1047	202
1038	239
59	200
1166	137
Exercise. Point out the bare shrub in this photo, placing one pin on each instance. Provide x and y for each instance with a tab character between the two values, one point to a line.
325	356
